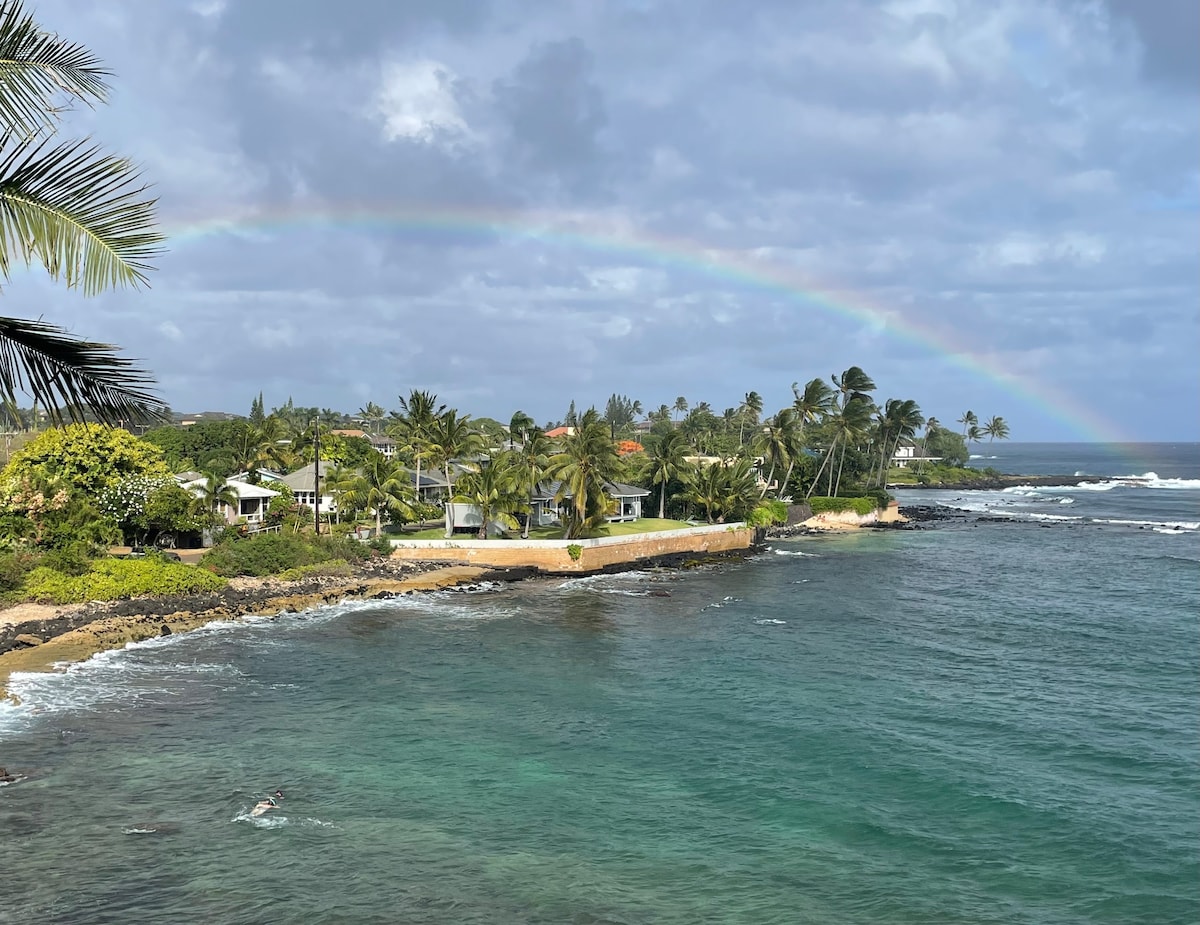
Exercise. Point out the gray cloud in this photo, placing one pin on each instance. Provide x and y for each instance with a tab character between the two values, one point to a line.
517	205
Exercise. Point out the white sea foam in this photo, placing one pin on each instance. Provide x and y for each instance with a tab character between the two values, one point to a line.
1167	524
1150	480
795	552
770	622
979	456
129	674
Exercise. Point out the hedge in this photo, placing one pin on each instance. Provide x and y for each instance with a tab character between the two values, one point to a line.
860	506
115	579
272	553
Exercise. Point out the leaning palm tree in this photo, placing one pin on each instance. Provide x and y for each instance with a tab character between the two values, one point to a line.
82	214
777	444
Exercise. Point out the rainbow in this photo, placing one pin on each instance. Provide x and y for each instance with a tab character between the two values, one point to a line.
596	234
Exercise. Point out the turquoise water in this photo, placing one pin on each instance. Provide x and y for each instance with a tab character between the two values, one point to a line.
979	723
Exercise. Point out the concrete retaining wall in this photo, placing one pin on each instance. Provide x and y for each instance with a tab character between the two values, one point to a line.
594	555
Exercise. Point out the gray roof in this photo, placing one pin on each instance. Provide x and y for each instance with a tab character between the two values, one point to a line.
615	490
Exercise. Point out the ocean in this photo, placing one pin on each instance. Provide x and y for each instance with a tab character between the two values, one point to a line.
990	720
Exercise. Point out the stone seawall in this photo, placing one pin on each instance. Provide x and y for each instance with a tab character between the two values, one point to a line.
554	556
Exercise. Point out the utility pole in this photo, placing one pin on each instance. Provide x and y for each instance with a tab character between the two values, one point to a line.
317	475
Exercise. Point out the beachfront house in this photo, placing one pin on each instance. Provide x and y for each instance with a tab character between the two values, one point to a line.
545	511
303	483
384	445
251	504
906	456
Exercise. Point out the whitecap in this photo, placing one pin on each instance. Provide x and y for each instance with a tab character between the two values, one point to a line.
770	622
1181	525
795	552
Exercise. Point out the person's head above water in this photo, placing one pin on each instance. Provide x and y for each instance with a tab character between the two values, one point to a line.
279	794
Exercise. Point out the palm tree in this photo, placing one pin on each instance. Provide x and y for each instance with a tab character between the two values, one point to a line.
681	405
588	459
80	213
968	420
668	462
382	486
722	488
995	427
531	460
751	410
497	489
777	445
372	415
217	492
900	421
449	437
414	422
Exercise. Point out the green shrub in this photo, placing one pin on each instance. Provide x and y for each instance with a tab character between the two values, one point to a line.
332	568
15	564
574	550
272	553
860	506
74	559
114	579
768	512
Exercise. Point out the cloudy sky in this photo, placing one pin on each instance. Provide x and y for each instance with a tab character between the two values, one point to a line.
517	203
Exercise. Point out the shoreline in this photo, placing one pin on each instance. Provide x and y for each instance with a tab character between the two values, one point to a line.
74	633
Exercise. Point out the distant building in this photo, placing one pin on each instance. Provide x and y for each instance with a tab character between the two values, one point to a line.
909	455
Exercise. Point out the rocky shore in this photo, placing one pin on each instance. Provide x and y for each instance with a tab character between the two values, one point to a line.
35	637
1000	481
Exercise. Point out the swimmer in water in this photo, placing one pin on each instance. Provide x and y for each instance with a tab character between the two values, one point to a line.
269	803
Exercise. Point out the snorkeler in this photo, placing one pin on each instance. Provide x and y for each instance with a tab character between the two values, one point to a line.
271	802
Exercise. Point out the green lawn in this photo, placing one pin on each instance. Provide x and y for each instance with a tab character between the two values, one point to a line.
626	528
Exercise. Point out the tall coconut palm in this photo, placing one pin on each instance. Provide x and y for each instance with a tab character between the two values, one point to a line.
900	422
750	411
451	436
995	428
372	415
813	402
82	214
413	424
777	445
587	459
531	458
847	423
680	406
382	486
668	462
497	489
968	420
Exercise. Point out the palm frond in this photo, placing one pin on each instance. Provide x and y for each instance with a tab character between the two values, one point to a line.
37	67
63	373
79	211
